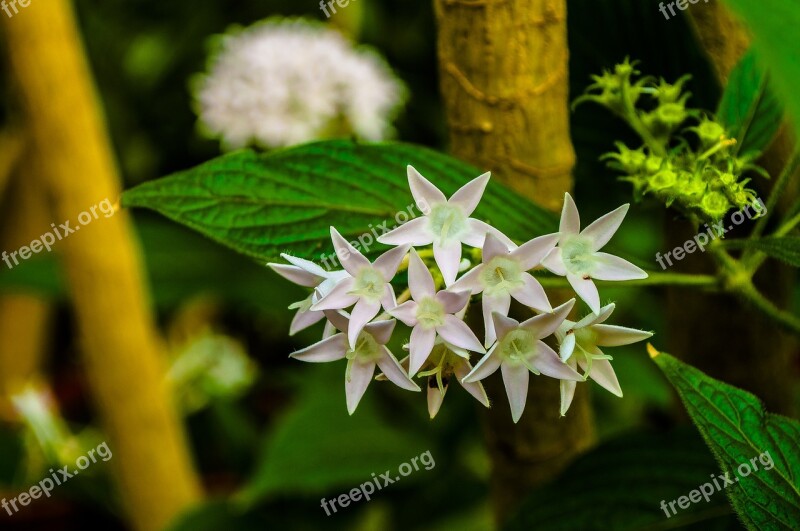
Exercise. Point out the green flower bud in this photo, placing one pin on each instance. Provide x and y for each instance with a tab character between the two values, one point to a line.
653	164
663	180
709	132
671	114
715	204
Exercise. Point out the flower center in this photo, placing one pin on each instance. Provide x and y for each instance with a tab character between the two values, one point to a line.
577	254
517	345
430	313
367	349
501	275
447	222
369	283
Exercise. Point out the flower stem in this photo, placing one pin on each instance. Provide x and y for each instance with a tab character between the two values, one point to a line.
655	279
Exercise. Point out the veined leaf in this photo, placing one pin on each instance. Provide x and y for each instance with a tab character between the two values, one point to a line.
749	109
286	201
740	433
785	248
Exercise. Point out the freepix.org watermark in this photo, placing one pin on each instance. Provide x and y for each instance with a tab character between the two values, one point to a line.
706	490
59	477
711	233
329	5
367	489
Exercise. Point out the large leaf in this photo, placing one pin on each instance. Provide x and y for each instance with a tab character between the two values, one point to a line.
740	433
785	248
774	26
265	204
749	109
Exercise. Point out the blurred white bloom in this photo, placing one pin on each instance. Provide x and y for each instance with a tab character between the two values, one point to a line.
284	82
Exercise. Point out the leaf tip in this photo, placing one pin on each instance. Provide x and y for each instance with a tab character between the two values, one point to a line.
651	350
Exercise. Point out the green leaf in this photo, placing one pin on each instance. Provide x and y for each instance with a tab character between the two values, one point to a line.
286	201
749	109
740	432
774	26
785	248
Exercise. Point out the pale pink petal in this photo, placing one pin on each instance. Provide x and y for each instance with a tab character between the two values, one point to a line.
303	320
461	370
570	219
394	371
308	265
486	367
567	346
546	361
610	267
338	298
297	275
362	313
477	234
420	348
420	281
388	262
614	336
604	227
595	318
456	332
406	312
546	324
503	324
471	281
567	394
329	330
532	253
447	258
586	290
532	294
356	385
425	193
603	374
554	262
515	379
331	349
381	330
414	232
500	304
469	195
389	300
453	301
435	397
492	247
338	319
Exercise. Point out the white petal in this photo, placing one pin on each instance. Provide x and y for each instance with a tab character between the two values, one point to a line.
546	324
297	275
610	267
474	388
456	332
570	219
604	227
546	361
567	346
329	330
363	312
435	397
356	385
603	374
308	265
492	247
420	281
394	372
586	290
499	304
304	319
414	232
389	300
453	301
614	336
338	298
567	394
477	234
338	319
554	262
470	282
352	260
331	349
420	348
595	318
469	195
447	258
515	378
532	294
406	312
425	193
503	324
486	367
388	262
532	253
381	330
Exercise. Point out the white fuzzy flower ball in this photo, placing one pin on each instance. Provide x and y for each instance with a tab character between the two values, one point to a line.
284	82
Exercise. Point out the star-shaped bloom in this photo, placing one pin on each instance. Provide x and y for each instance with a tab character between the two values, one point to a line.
520	350
368	287
578	258
579	344
431	313
446	223
370	351
310	275
504	274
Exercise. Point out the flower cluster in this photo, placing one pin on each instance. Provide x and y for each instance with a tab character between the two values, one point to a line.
284	82
702	178
361	308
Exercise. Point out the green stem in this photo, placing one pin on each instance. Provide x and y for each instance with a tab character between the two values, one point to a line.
787	320
637	125
655	279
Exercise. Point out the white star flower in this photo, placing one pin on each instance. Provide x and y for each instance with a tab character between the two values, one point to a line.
446	223
520	350
578	258
579	344
503	275
368	287
309	275
431	313
369	351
